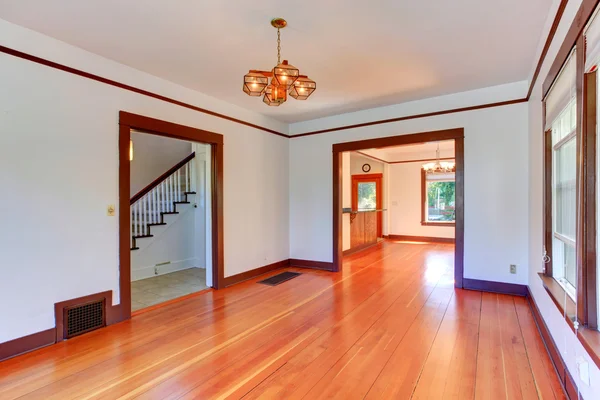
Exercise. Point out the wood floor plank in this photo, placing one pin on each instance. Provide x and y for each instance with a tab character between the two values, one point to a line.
449	372
387	326
300	374
361	291
400	374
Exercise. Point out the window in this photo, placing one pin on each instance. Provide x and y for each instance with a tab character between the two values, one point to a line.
564	198
571	197
438	199
367	195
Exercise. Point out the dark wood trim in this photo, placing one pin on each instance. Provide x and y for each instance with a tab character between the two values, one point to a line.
28	343
421	160
589	271
586	9
390	141
424	201
495	287
154	126
551	33
427	239
425	115
459	227
326	266
456	134
378	178
548	231
338	254
61	67
552	349
113	313
253	273
161	178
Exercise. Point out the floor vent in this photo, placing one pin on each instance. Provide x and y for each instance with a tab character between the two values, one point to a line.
82	318
279	278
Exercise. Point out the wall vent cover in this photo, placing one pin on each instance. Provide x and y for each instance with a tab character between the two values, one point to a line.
82	318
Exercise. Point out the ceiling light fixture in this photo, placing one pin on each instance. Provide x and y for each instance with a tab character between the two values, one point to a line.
284	79
437	166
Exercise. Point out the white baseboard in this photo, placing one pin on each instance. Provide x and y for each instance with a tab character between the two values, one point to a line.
149	272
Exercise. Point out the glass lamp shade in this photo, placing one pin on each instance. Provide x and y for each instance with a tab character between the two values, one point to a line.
255	83
285	74
274	94
303	88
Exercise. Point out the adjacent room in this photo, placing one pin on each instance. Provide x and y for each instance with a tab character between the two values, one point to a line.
282	200
169	214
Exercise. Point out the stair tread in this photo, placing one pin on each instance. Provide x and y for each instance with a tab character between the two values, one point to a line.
135	248
142	236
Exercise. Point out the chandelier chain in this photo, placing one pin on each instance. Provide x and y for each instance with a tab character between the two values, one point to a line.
278	46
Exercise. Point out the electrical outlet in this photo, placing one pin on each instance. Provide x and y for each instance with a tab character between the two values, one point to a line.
513	268
110	210
156	270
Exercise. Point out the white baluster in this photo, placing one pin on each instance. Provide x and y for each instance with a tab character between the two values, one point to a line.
133	220
178	187
187	177
162	196
144	215
193	175
171	193
154	205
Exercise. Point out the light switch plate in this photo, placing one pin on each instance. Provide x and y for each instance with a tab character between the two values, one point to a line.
513	268
110	210
584	370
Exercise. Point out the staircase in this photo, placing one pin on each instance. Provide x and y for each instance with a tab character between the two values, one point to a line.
160	198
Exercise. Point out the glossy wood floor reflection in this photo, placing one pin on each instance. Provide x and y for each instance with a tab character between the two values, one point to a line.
390	326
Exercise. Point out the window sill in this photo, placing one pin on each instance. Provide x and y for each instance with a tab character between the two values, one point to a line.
589	338
448	224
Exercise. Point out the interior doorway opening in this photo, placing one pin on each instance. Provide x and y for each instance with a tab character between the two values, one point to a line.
407	188
170	219
205	207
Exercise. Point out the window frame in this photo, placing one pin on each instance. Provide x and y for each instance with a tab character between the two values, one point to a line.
424	221
583	309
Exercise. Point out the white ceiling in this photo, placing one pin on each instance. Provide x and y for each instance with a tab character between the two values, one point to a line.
362	54
419	151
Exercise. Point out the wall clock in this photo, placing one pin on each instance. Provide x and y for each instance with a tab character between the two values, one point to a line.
366	167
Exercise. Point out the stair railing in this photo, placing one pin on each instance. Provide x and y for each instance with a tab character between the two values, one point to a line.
160	197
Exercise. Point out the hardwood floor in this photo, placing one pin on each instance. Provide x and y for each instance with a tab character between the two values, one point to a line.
391	325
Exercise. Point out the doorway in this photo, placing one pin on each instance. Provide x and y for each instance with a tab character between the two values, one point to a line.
367	195
455	135
205	174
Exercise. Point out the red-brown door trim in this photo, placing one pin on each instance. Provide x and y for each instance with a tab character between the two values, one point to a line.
128	121
456	134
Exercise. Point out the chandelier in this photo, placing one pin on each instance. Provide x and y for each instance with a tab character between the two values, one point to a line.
283	79
437	166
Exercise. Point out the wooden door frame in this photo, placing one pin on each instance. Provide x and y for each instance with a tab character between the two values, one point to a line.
129	121
378	178
456	134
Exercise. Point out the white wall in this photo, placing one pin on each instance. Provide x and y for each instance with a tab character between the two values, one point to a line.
59	171
496	191
173	243
153	156
568	345
404	207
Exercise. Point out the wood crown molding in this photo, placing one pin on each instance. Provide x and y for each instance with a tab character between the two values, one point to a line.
97	78
401	161
143	92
